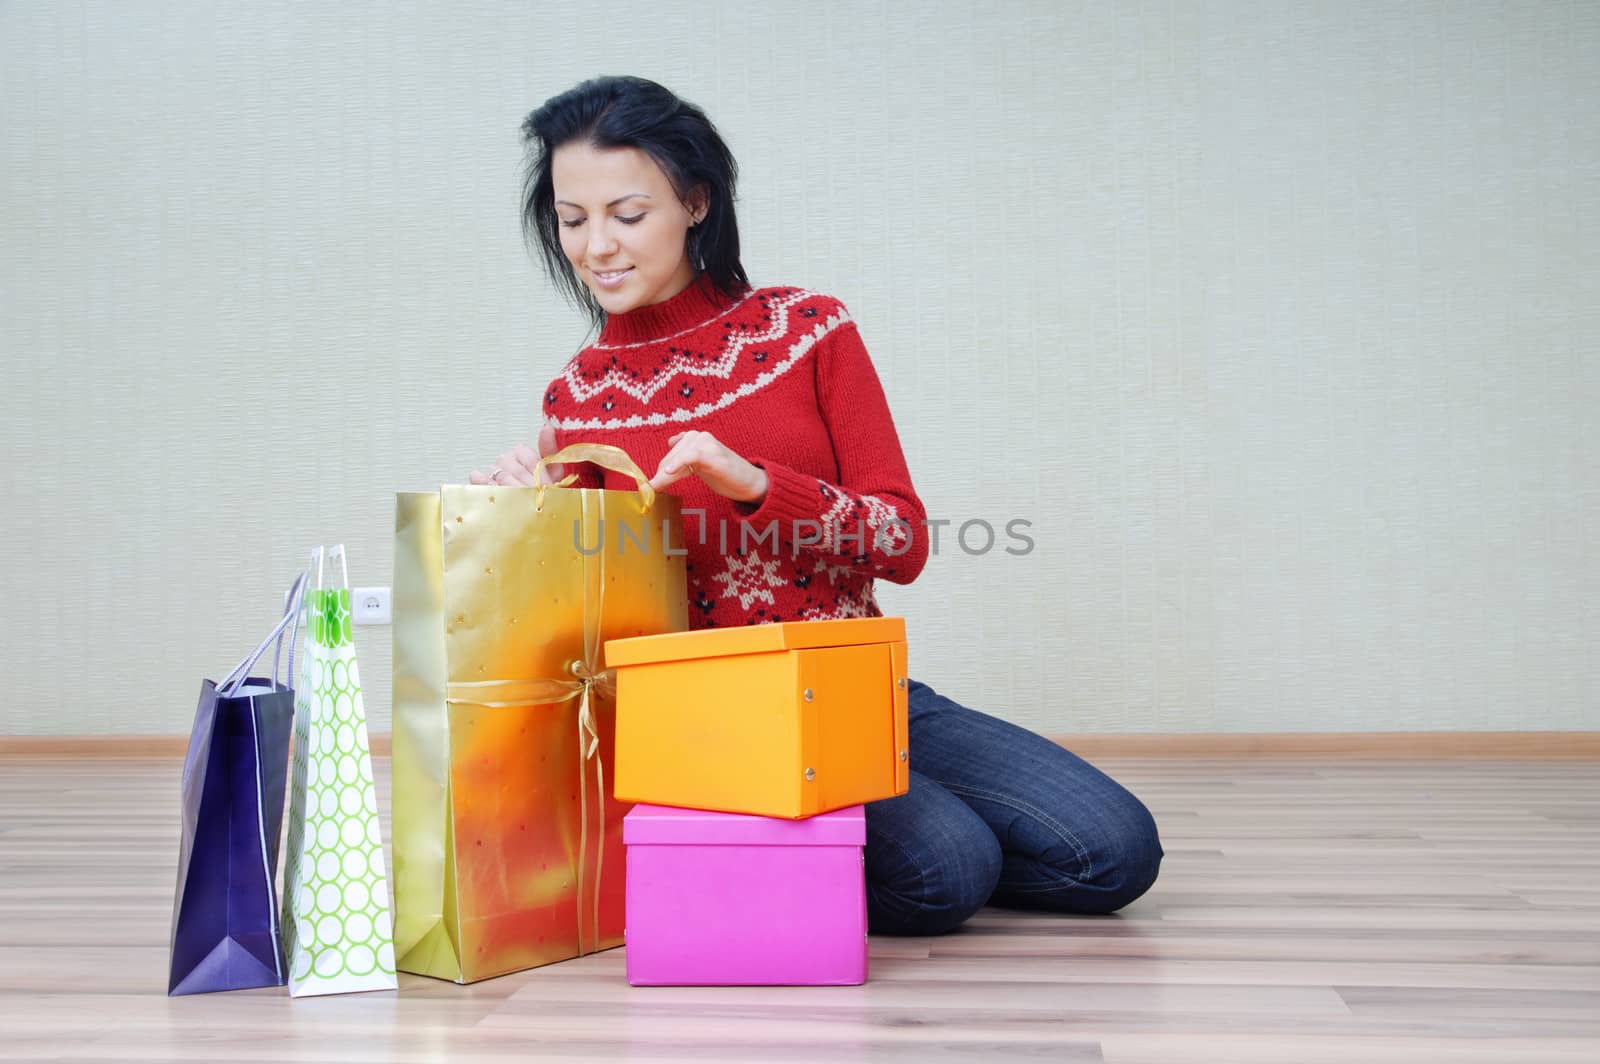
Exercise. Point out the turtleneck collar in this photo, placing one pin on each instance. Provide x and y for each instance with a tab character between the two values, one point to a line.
693	306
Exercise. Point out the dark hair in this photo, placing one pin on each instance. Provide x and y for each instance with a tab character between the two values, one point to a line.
625	112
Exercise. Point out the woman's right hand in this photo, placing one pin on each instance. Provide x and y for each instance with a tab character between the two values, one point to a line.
517	466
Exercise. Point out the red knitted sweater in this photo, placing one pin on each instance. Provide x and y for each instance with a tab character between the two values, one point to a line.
779	376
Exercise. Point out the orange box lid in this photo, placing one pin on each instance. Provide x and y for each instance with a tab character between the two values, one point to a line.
754	639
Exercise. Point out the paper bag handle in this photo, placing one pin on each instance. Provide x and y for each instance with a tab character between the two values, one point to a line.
291	615
336	551
601	454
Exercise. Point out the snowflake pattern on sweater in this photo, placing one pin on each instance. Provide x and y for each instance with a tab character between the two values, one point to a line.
780	376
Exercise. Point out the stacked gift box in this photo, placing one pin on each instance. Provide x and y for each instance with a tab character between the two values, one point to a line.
752	752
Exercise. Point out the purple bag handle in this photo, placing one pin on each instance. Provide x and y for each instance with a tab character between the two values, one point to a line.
291	620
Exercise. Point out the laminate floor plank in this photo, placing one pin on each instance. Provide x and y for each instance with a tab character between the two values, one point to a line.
1309	910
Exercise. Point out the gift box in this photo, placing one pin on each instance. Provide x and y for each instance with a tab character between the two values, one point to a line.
779	720
718	899
508	849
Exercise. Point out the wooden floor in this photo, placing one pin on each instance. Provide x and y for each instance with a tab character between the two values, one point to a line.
1307	911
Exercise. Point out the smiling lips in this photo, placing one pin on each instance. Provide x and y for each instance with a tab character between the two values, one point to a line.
609	278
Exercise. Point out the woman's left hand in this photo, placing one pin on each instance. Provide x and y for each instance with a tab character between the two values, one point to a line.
702	455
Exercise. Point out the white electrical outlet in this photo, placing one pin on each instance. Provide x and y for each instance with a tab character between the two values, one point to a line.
371	605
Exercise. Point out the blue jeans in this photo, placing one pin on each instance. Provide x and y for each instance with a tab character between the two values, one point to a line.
998	815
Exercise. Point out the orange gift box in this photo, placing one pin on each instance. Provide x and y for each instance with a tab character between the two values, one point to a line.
780	720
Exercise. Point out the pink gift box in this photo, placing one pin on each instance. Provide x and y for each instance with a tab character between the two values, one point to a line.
723	899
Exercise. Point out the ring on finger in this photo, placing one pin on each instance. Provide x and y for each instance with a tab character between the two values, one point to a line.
494	474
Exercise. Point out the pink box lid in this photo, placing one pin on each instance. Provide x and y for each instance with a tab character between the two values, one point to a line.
665	826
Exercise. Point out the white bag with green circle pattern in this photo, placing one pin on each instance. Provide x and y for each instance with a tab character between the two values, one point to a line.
337	925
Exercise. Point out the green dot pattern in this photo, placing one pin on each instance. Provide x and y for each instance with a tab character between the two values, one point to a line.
338	930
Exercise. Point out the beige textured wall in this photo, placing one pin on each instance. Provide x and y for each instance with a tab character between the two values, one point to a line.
1278	320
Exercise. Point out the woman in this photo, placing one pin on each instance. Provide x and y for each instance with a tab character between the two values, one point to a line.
761	409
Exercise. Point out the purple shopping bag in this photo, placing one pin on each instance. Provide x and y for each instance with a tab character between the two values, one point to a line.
225	915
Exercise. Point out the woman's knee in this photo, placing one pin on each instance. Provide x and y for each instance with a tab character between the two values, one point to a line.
942	894
1124	860
1108	857
931	880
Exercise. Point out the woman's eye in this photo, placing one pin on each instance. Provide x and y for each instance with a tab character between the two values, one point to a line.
633	220
573	224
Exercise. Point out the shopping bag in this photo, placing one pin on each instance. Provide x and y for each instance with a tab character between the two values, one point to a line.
507	844
336	921
225	910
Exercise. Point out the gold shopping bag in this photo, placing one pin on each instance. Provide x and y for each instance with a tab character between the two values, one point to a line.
507	844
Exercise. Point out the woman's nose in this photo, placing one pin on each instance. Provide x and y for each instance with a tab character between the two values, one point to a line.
601	242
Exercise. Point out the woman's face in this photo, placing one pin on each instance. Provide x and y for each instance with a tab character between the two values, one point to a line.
623	227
